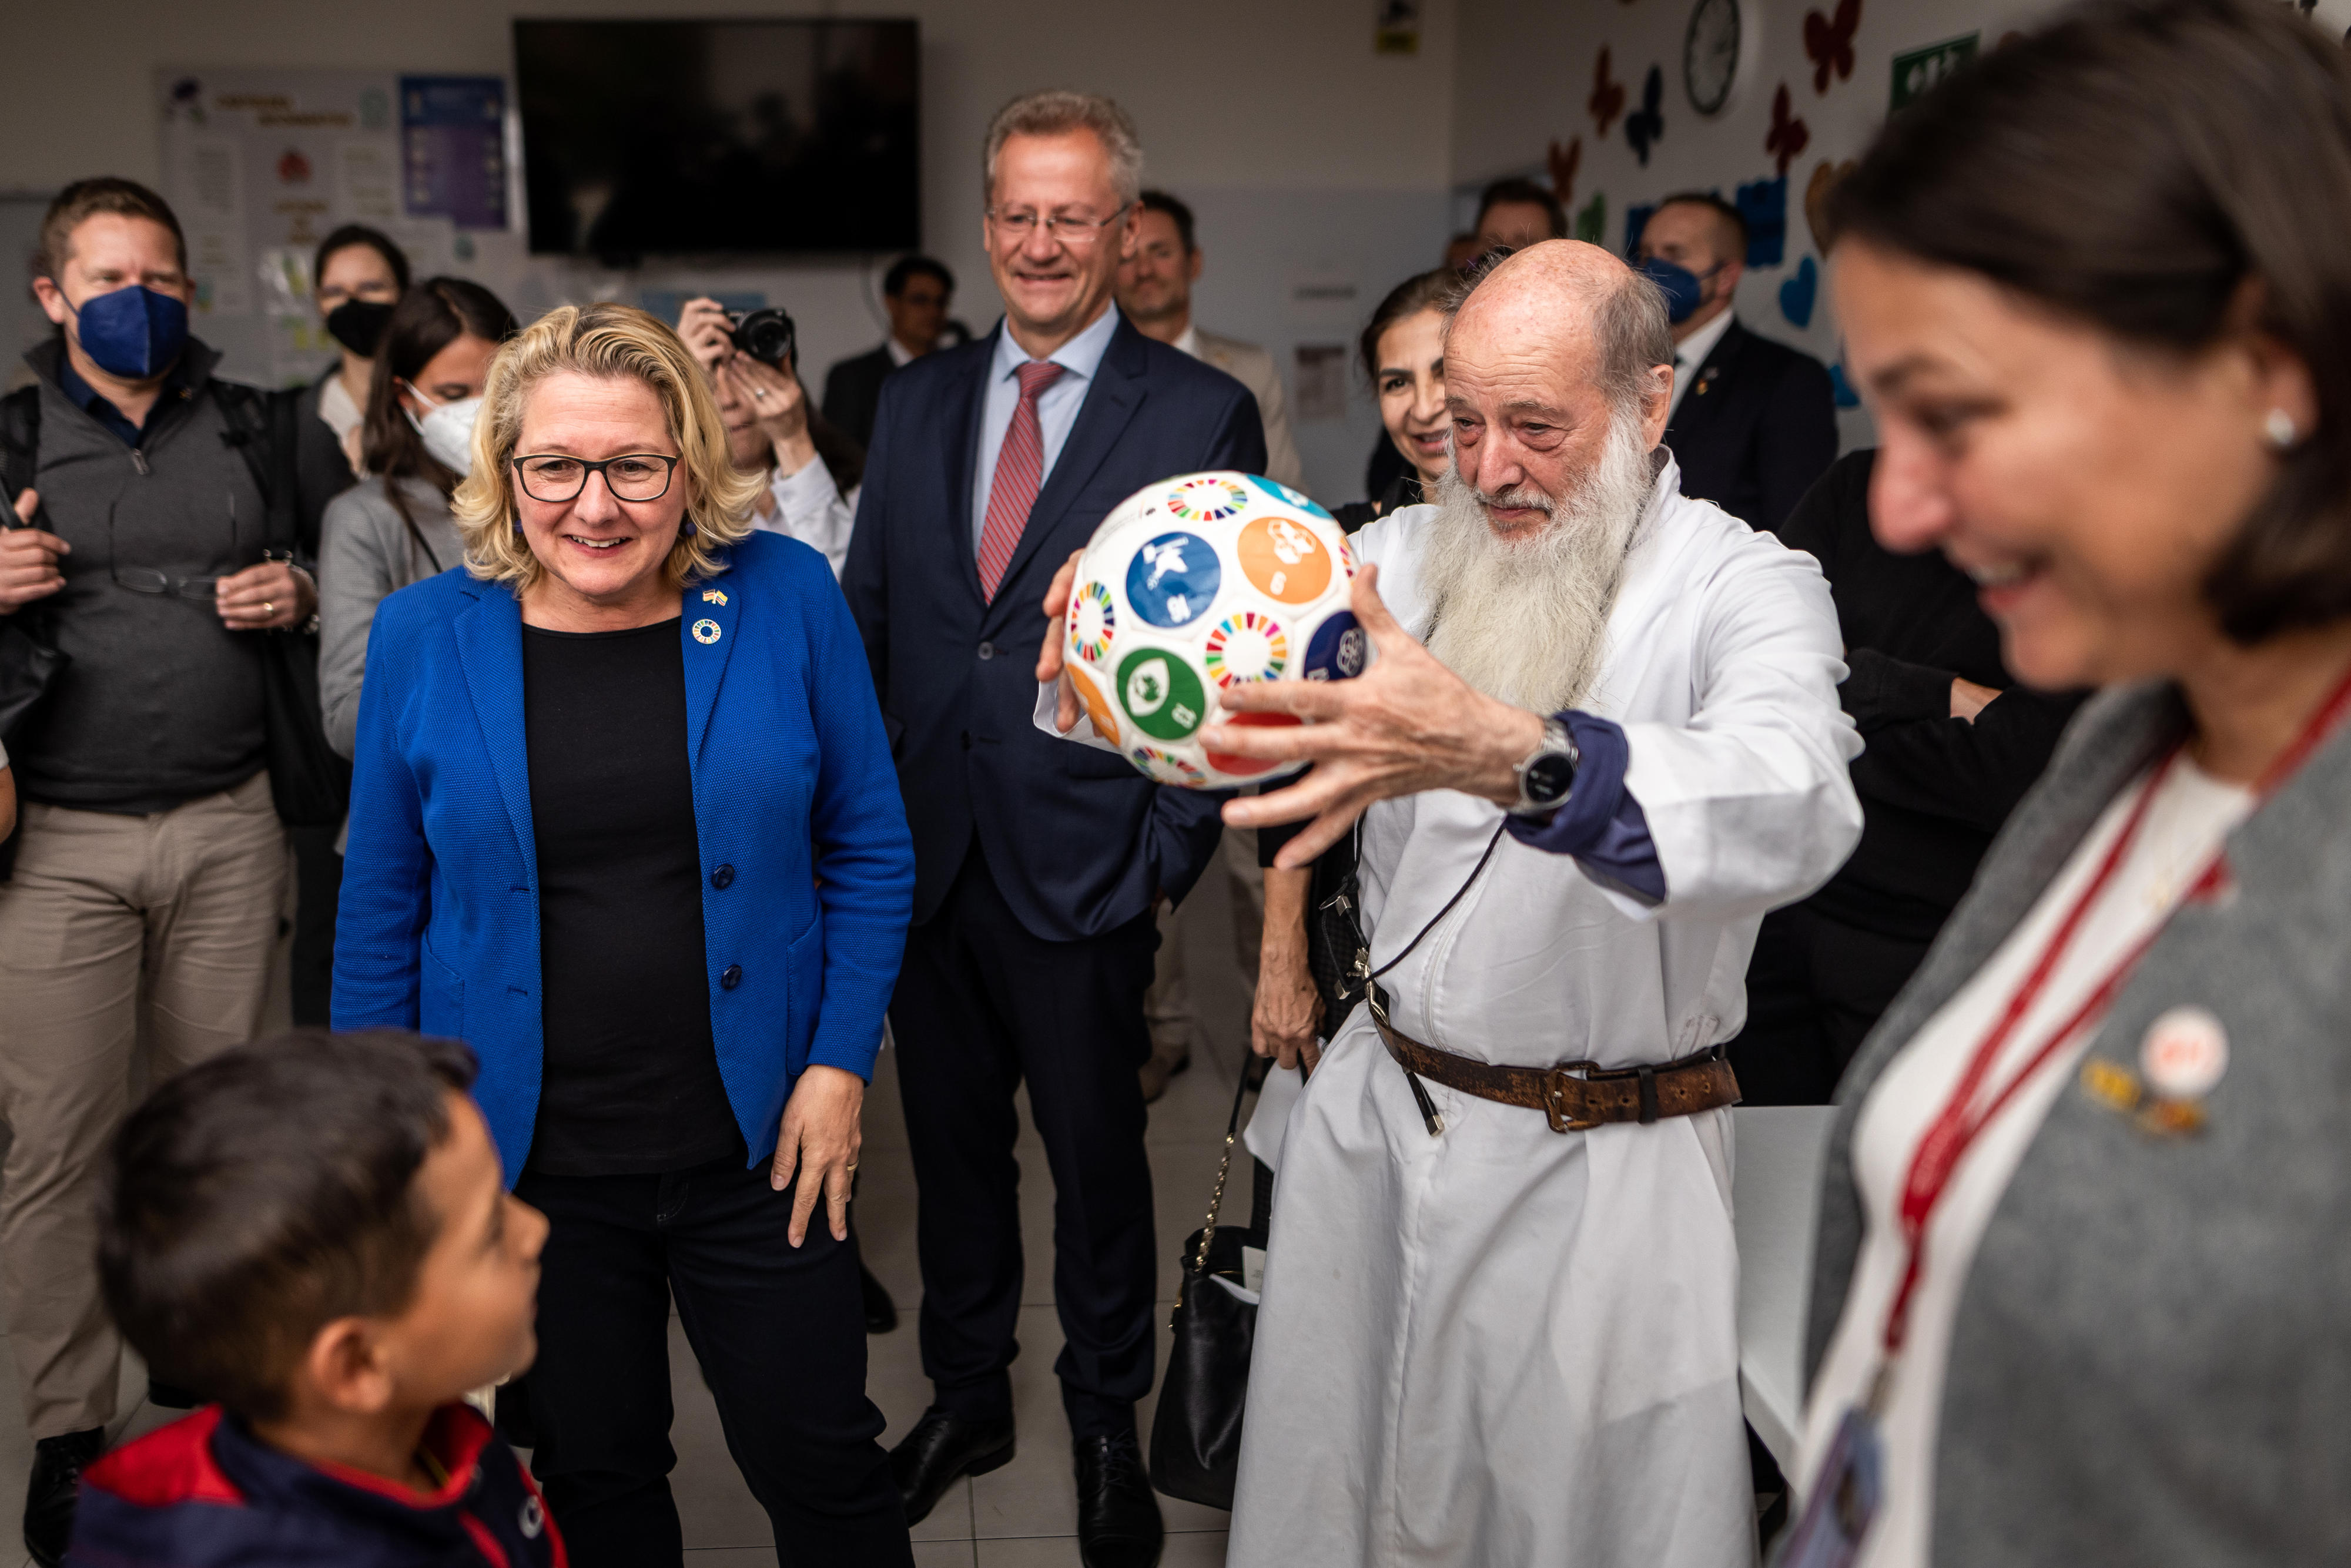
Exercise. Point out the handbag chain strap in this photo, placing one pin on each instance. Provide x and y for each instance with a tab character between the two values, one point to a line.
1224	1166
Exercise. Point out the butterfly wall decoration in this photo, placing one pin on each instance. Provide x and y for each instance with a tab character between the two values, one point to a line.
1789	134
1607	99
1562	162
1828	42
1646	123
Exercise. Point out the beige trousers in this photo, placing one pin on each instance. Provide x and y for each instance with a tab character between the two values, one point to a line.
117	933
1167	1005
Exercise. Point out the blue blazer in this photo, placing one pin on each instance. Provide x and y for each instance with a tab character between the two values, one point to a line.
438	928
1077	840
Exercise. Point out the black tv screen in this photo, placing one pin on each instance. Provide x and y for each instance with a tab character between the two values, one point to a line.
667	138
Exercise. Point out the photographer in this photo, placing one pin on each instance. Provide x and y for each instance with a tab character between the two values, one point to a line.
813	469
151	868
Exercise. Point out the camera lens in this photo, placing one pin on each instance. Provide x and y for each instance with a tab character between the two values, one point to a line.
765	334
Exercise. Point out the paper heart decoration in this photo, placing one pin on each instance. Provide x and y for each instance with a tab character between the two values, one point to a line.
1798	293
1824	179
1563	162
1841	390
1646	123
1828	42
1607	99
1789	135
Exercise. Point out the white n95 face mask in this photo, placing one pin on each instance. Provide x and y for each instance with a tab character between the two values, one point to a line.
447	429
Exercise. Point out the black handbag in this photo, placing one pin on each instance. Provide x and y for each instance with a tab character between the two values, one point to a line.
310	782
1196	1436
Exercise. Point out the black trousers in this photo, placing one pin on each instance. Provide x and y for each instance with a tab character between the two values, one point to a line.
318	886
780	1334
1815	988
980	1006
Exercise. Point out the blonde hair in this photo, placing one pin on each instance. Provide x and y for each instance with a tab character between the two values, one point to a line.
606	341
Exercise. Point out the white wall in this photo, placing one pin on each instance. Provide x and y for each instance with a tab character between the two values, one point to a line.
1306	153
1505	114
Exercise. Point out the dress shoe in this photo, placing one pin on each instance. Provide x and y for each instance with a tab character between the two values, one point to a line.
880	1312
1118	1515
1168	1058
49	1497
940	1448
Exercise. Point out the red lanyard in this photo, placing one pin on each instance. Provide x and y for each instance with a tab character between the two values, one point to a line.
1958	1125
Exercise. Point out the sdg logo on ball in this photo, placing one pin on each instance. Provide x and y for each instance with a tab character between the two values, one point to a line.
1284	561
1094	622
1338	651
1174	580
1207	498
1249	647
1161	693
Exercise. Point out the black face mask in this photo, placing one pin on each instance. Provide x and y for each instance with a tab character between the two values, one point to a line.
357	325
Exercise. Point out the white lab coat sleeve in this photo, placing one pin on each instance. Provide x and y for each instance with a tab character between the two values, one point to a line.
811	508
1750	803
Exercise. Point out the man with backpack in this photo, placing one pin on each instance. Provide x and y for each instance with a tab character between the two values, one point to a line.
149	595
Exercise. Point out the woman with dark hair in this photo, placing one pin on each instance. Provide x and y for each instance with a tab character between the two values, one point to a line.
356	278
396	528
1402	351
2079	1290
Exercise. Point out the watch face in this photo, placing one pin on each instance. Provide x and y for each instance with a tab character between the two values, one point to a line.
1548	778
1711	53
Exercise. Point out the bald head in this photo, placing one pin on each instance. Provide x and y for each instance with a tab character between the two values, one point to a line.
1543	353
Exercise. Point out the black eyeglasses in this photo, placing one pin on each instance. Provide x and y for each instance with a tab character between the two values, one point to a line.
632	476
147	580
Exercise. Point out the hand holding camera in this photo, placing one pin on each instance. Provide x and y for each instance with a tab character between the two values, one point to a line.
749	356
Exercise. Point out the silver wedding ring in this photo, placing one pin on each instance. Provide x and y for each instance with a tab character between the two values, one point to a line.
759	392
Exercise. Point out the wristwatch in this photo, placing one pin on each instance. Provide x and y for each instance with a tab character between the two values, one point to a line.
1548	773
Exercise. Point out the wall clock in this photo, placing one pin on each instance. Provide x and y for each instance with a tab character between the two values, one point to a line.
1711	53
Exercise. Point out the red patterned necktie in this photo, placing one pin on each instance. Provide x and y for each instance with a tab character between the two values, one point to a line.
1019	471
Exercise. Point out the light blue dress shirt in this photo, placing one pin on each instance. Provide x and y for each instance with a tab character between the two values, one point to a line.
1057	405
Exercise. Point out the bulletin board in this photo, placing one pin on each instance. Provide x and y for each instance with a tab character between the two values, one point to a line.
260	166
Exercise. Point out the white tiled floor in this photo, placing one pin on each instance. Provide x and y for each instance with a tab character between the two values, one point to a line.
1024	1515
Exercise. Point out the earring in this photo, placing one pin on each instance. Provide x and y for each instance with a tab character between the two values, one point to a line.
517	527
687	528
2279	426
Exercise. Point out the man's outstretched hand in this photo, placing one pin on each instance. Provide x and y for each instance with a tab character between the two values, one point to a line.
1405	724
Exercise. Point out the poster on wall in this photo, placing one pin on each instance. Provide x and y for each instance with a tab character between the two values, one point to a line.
261	165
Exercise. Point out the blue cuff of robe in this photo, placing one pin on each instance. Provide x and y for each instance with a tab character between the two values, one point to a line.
1600	825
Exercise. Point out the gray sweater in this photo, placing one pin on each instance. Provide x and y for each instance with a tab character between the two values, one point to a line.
2151	1361
365	553
162	703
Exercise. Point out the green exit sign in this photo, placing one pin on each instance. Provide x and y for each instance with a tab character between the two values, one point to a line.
1918	72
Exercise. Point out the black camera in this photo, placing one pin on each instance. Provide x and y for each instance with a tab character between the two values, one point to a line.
765	334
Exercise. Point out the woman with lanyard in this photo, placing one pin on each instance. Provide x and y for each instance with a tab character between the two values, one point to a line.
2080	1287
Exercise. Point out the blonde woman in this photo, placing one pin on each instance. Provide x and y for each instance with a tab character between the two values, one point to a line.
624	819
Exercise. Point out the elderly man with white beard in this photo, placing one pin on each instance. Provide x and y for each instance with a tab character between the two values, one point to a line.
1499	1316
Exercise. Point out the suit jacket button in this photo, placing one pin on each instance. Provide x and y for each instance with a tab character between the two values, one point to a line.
722	877
988	650
731	978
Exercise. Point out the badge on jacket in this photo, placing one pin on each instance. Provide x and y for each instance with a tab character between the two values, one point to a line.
705	631
2181	1061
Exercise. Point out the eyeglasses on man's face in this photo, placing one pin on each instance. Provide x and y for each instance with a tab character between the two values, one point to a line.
632	476
1063	228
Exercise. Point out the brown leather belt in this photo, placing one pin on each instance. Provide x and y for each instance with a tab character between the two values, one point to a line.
1576	1095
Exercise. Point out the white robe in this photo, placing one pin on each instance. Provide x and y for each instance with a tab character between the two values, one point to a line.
1505	1346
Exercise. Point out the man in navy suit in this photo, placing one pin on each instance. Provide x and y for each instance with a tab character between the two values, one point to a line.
1038	865
1754	422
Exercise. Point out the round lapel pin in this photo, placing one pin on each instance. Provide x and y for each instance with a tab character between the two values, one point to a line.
2184	1054
705	631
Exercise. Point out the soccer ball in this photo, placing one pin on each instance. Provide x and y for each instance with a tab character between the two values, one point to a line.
1191	587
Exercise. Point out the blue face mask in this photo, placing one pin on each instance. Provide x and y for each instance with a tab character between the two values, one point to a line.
134	332
1683	289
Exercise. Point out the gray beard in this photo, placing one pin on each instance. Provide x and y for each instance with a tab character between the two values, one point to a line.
1525	619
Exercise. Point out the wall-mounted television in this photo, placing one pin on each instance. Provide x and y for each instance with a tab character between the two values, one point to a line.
696	138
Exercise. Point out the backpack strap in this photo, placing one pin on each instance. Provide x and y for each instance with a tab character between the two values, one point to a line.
261	426
20	451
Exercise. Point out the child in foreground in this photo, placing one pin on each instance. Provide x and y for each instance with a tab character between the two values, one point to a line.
314	1232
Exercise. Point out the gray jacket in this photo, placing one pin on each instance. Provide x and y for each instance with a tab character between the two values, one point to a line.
367	552
2151	1360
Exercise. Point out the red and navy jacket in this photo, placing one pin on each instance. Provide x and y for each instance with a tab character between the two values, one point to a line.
204	1492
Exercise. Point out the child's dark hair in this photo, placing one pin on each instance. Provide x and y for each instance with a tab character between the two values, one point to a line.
256	1197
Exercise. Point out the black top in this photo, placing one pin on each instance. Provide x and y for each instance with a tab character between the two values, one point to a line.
853	392
1934	789
1403	490
631	1084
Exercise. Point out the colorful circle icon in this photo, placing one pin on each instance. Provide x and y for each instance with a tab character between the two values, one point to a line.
1093	619
1289	498
1173	579
1250	646
1161	693
1283	559
1207	498
1166	768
